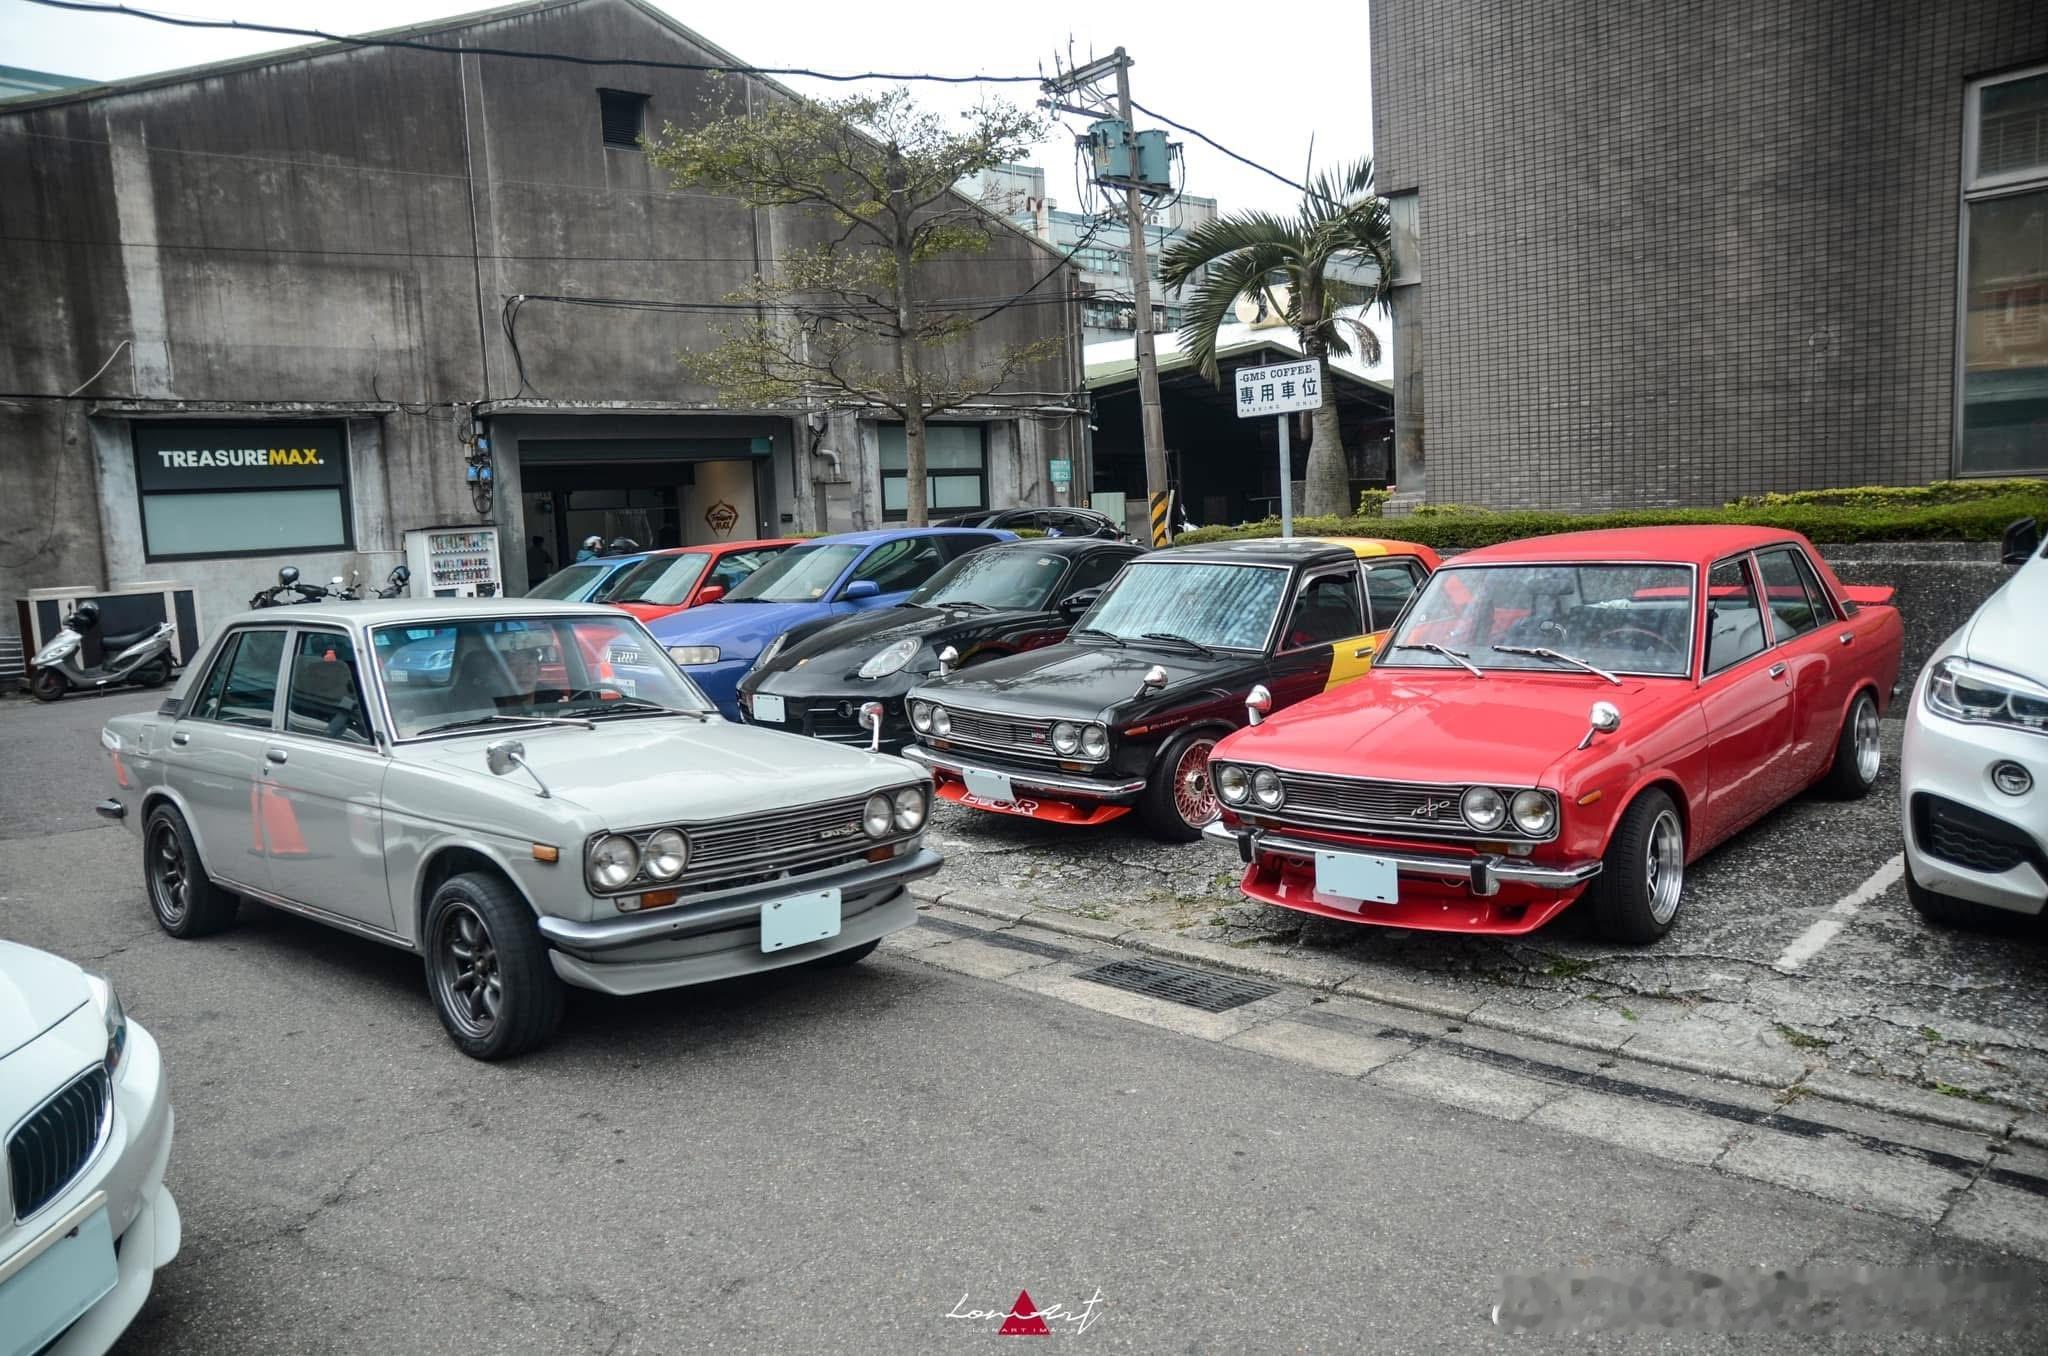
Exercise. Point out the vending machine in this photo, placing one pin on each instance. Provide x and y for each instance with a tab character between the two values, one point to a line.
454	562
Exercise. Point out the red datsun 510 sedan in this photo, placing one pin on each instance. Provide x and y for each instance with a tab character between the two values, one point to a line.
1574	715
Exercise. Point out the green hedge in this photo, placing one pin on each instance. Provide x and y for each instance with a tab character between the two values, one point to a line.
1944	511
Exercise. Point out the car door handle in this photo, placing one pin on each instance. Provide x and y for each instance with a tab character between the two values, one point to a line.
1362	651
1777	671
181	738
278	755
1847	637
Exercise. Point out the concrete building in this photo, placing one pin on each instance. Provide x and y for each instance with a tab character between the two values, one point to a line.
368	257
1669	254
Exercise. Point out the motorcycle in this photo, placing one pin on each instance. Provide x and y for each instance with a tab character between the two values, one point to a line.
288	589
400	577
142	658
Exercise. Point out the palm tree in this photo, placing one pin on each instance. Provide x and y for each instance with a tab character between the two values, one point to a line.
1342	229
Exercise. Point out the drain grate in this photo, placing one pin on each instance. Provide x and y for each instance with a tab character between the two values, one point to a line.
1180	984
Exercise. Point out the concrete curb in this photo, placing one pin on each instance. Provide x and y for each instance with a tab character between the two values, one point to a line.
1775	1073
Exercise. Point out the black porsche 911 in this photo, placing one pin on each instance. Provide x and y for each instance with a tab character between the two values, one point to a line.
1000	600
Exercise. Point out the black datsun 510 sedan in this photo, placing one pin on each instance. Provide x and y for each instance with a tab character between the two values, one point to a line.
1122	714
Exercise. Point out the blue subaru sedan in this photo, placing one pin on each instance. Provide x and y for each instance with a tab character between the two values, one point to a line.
832	576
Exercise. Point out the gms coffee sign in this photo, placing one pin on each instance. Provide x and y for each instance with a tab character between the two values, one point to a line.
252	456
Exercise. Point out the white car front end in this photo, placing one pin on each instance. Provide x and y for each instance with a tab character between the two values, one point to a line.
1976	755
85	1219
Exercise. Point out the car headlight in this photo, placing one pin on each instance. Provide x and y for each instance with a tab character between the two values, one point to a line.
693	654
1961	690
879	816
767	656
942	724
1534	813
921	716
1266	787
109	1003
666	854
1233	783
1484	808
1066	737
910	809
614	860
1094	741
889	659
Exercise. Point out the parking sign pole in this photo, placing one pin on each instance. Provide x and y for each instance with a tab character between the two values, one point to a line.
1286	481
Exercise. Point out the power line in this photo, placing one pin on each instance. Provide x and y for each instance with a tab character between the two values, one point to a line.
1210	141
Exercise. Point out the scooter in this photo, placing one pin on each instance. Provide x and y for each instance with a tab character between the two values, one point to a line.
145	660
400	577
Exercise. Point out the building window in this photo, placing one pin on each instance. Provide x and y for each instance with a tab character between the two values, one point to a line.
622	114
245	489
2003	391
956	470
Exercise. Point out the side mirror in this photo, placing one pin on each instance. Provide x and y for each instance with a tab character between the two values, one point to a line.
949	659
1154	679
288	576
871	718
859	589
2022	539
1075	604
1605	719
1258	703
710	593
504	755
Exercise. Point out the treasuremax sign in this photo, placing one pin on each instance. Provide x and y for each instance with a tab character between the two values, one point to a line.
240	456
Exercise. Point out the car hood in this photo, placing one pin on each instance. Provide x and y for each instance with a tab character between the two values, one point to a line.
739	630
845	645
636	771
1445	725
37	990
1081	678
2005	633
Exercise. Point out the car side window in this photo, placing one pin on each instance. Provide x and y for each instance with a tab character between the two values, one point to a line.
1388	587
206	706
326	697
1328	609
1094	571
249	695
1823	610
1735	624
914	560
1791	605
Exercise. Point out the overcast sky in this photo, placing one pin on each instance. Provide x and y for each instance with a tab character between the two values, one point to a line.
1225	73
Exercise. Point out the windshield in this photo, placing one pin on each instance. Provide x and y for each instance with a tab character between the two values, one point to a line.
995	579
1228	607
801	574
663	580
441	674
1622	618
568	584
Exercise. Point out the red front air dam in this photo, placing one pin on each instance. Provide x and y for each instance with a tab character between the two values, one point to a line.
1426	905
1029	807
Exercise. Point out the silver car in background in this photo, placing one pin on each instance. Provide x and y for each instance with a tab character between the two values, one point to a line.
1976	754
528	794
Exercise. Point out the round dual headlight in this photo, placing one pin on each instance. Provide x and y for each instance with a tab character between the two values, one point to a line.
921	716
910	809
666	854
1094	741
1266	787
1066	737
614	860
1484	808
1233	783
942	724
1534	813
879	816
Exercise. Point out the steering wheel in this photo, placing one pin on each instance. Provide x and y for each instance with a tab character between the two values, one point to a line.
1657	642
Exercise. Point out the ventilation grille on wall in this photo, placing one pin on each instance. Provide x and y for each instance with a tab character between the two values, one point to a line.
622	113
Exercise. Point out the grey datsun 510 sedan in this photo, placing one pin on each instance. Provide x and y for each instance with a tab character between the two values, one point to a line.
527	794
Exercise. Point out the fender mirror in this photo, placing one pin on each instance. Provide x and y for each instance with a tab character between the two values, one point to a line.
1258	703
508	754
1605	719
1154	679
949	659
871	717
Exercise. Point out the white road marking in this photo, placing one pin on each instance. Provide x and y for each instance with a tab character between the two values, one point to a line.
1807	944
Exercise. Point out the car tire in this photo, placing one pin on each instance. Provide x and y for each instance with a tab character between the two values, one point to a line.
1635	898
481	940
49	685
155	673
1859	753
1946	911
1179	786
853	955
182	896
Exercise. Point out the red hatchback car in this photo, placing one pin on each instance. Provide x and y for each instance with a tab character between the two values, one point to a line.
1573	715
690	576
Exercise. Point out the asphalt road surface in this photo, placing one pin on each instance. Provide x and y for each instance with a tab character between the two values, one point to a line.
836	1161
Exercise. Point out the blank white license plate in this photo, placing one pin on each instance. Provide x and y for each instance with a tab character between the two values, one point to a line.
799	919
1348	879
64	1280
769	709
989	785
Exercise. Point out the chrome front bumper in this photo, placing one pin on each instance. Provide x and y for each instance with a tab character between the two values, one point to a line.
1091	788
1483	872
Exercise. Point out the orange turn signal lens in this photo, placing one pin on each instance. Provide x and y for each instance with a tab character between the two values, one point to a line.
653	899
1589	798
546	852
880	854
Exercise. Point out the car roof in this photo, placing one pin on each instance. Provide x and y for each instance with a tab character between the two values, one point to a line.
1068	546
1690	543
876	535
726	547
1286	550
385	611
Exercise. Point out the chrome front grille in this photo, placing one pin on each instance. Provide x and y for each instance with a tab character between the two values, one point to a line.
728	852
1007	732
1392	804
48	1150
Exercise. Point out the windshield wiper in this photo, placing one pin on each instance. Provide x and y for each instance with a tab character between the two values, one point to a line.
475	722
1455	656
1545	652
1109	636
1168	637
622	706
967	603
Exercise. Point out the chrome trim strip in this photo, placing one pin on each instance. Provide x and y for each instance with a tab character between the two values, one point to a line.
1483	871
1080	786
77	1215
320	915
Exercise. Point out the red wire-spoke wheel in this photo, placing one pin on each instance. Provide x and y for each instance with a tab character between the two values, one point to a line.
1193	796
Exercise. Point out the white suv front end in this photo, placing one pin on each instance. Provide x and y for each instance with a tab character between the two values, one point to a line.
85	1220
